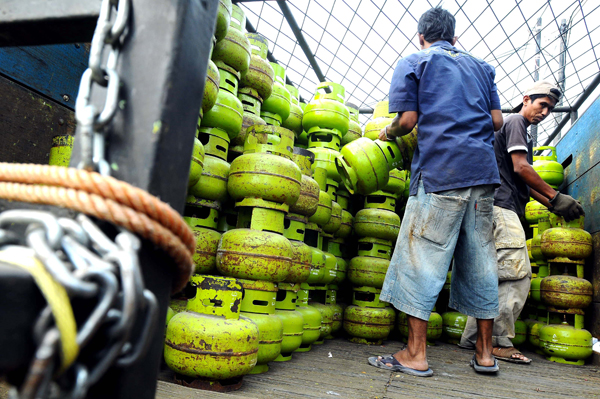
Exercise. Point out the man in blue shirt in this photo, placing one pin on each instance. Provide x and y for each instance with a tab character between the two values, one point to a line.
452	96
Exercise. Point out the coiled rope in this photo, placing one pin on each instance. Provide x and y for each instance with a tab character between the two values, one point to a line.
105	198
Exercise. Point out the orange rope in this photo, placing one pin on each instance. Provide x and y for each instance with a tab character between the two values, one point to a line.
104	186
87	196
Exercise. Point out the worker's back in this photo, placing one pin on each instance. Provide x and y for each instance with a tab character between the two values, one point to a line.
454	94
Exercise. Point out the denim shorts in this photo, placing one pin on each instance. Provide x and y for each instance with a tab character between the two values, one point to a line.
436	227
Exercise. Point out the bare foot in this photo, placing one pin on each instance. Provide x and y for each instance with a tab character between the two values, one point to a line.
413	362
485	359
506	353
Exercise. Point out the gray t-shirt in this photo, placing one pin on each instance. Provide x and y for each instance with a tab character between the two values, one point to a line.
513	192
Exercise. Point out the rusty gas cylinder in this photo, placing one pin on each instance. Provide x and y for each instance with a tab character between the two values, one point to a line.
255	255
566	241
234	49
312	320
258	304
368	320
293	322
210	340
223	19
276	108
377	223
326	320
566	292
367	271
260	75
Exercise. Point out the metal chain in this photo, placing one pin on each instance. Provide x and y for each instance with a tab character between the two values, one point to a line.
93	267
110	32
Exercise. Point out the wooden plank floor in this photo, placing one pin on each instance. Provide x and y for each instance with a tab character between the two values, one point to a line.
346	374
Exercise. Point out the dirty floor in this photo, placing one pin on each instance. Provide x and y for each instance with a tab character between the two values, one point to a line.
339	369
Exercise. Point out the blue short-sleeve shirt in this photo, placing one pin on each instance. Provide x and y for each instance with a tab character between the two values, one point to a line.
453	93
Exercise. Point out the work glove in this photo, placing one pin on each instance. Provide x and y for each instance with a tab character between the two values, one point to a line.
566	206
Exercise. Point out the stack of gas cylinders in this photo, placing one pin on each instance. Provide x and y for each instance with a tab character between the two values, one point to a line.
559	295
270	203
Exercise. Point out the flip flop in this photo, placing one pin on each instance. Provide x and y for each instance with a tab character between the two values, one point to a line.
484	369
507	353
396	366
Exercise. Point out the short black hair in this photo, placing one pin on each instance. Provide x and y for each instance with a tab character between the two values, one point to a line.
534	97
437	24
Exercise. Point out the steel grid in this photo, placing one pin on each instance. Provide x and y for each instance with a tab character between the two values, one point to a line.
358	43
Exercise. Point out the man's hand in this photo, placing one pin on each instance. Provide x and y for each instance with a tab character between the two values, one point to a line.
383	135
566	206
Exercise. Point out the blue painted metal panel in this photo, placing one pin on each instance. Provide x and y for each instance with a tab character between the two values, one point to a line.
586	189
53	70
582	142
582	176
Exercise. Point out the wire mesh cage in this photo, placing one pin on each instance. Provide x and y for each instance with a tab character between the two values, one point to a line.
358	43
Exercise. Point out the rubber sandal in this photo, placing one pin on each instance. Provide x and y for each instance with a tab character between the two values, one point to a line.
484	369
396	366
506	354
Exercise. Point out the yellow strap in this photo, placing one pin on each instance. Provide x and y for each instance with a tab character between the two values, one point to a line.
56	296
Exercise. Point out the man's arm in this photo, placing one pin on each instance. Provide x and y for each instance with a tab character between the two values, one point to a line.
530	176
540	198
401	125
497	119
562	204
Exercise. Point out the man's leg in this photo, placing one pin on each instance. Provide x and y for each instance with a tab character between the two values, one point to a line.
483	346
415	353
512	295
474	289
419	266
514	273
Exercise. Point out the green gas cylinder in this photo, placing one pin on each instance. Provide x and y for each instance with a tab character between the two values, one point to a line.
377	223
520	333
260	75
567	344
453	326
223	19
227	112
294	120
210	339
547	166
326	111
253	254
367	271
293	322
326	320
354	129
234	49
276	108
566	241
258	304
312	320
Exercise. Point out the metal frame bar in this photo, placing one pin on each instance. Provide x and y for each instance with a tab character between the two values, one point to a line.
287	14
37	22
162	69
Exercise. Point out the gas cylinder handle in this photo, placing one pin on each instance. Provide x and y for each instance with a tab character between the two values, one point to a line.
547	147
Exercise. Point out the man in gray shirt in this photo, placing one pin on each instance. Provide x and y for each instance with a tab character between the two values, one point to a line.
519	181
